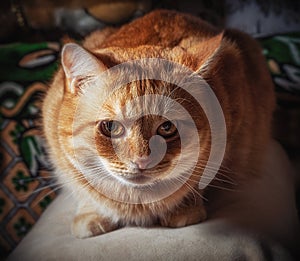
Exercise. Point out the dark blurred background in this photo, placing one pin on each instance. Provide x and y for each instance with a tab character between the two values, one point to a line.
31	35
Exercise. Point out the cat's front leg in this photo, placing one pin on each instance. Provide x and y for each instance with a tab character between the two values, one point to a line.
89	223
184	216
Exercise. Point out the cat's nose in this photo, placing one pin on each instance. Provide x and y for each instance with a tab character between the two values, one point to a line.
142	162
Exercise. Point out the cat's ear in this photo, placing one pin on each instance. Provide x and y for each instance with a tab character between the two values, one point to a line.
79	66
211	49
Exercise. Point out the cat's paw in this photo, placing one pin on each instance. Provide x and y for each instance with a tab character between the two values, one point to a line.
91	224
184	217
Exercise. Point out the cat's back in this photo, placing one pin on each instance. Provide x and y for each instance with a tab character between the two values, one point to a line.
163	28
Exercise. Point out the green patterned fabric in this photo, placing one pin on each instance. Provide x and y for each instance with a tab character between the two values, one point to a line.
283	56
25	184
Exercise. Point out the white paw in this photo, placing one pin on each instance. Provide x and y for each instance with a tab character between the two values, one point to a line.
91	224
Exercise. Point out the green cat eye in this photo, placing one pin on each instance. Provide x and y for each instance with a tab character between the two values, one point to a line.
167	130
112	129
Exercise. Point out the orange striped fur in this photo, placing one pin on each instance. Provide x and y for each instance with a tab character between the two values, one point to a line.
232	64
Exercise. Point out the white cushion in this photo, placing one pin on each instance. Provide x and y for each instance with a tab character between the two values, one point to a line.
261	225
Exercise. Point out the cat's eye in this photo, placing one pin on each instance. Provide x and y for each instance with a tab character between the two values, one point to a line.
112	129
167	130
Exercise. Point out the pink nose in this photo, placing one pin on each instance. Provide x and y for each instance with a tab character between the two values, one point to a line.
142	162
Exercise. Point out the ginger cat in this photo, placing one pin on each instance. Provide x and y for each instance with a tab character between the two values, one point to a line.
122	156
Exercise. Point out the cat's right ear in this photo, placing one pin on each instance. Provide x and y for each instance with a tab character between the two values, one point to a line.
79	66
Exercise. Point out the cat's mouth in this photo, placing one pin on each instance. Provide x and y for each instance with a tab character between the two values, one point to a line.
138	179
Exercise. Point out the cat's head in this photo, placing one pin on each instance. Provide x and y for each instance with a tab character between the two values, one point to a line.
143	133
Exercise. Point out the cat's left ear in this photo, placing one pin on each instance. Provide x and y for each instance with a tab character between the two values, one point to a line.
79	66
